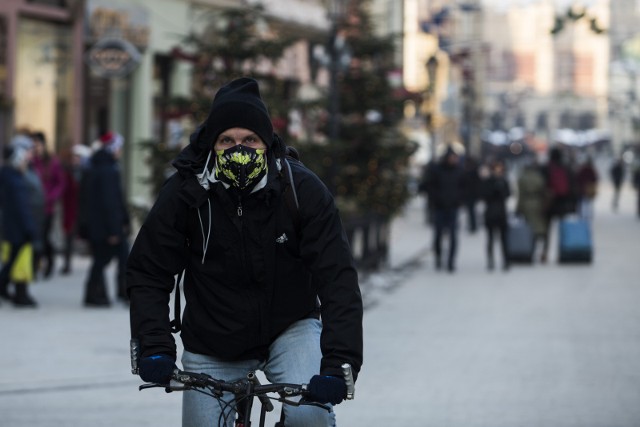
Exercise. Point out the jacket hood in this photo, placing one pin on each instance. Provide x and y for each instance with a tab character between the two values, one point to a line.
191	161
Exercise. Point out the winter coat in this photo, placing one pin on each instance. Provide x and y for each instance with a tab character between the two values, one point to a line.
472	183
250	273
103	211
446	186
617	173
587	181
70	197
51	175
18	222
495	192
37	203
561	189
532	199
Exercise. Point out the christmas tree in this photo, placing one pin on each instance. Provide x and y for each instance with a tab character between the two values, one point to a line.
367	165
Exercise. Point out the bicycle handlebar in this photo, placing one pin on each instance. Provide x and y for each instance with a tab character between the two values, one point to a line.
182	380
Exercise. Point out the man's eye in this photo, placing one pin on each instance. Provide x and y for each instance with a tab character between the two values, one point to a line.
250	140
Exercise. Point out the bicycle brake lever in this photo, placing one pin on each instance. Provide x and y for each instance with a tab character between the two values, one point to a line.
149	385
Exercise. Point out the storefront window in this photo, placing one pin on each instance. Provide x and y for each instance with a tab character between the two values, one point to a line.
44	80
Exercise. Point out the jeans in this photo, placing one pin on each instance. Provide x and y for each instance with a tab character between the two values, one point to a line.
586	209
294	357
103	253
446	221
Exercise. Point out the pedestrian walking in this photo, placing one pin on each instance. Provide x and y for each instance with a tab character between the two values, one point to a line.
49	169
560	198
446	188
74	166
105	220
587	182
495	192
472	192
532	204
423	188
18	223
616	172
36	195
264	290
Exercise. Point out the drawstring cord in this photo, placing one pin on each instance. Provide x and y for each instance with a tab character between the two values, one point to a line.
205	242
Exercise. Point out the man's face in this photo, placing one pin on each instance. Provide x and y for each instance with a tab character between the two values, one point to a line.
238	136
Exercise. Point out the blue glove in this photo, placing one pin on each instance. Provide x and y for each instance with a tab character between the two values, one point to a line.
327	389
156	369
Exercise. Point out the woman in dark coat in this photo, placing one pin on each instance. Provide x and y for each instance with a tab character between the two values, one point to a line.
18	222
496	191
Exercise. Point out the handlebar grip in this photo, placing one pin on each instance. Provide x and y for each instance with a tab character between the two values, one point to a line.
134	353
348	379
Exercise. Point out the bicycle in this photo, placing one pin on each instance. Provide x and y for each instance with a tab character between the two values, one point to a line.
244	391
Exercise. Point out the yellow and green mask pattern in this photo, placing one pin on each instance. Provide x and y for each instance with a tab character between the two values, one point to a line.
241	167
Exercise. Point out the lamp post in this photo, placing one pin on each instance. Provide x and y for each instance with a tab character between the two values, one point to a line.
432	68
339	57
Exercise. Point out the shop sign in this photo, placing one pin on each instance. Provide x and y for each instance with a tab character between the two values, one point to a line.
113	58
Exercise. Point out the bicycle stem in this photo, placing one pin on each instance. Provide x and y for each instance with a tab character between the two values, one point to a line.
251	376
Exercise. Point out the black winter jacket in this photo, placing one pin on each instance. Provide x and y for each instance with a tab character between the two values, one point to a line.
496	191
446	186
18	223
249	275
103	211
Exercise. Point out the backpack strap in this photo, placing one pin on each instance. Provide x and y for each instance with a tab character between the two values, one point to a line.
290	195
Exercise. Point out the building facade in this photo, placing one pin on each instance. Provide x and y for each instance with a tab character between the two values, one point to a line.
76	68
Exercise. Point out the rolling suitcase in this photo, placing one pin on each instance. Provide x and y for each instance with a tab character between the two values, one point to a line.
575	241
520	241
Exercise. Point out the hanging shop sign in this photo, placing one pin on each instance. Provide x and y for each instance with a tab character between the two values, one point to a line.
113	58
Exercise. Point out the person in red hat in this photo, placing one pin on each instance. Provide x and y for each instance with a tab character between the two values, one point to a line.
104	219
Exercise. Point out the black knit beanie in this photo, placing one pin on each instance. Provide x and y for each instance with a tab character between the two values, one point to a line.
238	104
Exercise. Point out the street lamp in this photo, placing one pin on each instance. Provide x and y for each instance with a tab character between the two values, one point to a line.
432	68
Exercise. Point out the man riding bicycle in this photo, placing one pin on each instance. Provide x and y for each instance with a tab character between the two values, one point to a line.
267	286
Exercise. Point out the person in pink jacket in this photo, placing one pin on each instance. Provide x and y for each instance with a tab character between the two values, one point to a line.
49	169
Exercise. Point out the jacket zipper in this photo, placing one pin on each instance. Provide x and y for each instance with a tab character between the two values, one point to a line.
242	247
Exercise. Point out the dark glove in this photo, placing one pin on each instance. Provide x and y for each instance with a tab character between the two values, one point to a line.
327	389
156	369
